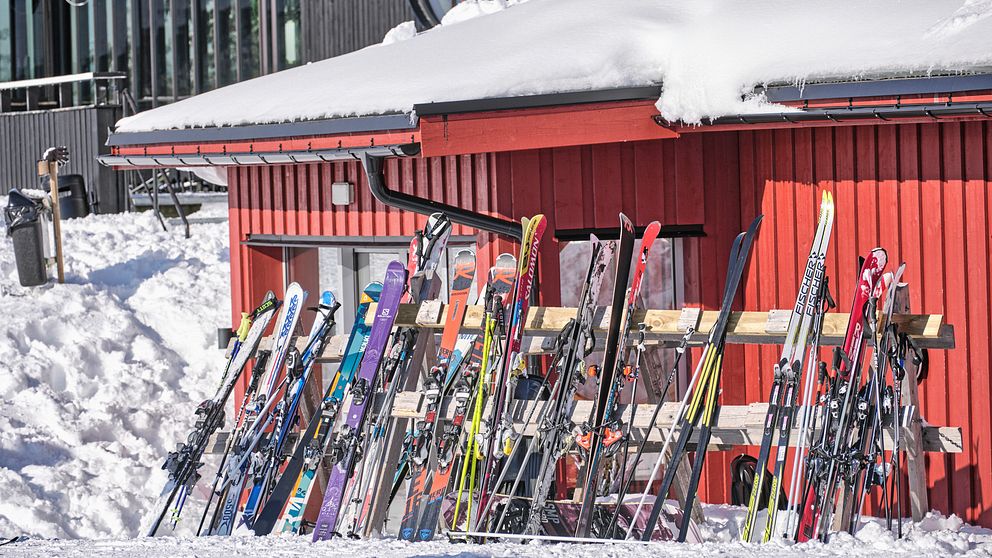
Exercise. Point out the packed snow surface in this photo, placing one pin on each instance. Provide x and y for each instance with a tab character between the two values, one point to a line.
99	376
936	536
707	54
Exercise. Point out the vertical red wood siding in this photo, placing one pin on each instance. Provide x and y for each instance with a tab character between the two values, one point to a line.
919	190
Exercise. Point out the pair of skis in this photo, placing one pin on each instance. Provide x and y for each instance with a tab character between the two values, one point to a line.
554	436
427	486
699	405
481	372
785	383
502	437
611	373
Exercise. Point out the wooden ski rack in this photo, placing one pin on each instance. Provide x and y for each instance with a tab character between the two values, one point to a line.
737	425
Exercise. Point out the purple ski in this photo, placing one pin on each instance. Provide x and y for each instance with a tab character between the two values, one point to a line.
346	441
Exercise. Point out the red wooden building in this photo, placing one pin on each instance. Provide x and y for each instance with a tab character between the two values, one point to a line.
909	162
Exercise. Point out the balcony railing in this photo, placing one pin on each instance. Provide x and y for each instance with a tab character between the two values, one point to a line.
75	90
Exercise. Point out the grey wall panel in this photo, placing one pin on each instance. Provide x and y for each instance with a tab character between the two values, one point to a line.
26	135
335	27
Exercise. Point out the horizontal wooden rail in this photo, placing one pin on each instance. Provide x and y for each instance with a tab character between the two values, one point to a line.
927	330
737	425
663	327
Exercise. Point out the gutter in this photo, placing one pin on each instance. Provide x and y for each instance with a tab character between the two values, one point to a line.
373	167
257	157
842	115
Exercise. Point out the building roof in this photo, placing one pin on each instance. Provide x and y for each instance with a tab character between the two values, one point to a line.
709	55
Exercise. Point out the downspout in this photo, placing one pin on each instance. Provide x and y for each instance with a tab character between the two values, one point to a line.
372	164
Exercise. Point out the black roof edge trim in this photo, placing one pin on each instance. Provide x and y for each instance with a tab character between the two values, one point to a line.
840	115
877	88
311	241
388	122
535	101
775	93
613	233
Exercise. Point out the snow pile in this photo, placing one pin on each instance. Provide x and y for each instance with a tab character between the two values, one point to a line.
471	9
99	376
463	11
402	32
708	55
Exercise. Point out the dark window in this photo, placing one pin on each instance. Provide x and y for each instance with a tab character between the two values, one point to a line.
182	45
226	43
6	41
205	44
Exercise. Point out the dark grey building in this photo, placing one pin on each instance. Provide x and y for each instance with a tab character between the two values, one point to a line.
160	51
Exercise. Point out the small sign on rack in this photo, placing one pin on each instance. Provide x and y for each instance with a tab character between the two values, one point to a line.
778	321
429	312
689	318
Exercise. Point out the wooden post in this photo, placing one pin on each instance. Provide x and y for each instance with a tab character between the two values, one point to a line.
916	467
422	359
49	166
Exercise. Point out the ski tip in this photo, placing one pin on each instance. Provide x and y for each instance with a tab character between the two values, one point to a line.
327	299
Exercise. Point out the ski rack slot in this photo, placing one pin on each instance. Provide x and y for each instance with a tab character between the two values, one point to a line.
927	330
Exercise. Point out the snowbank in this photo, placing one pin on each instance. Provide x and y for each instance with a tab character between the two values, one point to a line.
99	376
708	55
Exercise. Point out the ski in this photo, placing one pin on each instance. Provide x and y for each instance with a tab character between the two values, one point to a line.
392	437
346	443
484	361
513	365
296	483
258	416
555	433
427	505
870	445
818	299
299	368
823	469
702	406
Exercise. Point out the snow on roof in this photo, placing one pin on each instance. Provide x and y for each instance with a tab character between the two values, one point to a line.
707	54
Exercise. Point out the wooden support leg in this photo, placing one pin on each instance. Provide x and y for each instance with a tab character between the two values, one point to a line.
426	353
916	466
681	485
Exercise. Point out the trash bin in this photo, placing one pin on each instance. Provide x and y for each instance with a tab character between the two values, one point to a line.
26	223
72	197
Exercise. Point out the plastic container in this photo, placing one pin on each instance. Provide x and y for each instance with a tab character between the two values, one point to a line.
28	222
73	201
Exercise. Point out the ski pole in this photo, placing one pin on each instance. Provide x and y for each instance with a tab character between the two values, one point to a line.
679	352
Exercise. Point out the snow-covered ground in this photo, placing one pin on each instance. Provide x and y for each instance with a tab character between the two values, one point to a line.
936	536
99	376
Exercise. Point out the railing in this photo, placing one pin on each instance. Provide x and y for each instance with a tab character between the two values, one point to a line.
75	90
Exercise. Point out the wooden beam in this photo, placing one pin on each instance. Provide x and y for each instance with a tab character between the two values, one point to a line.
928	330
737	425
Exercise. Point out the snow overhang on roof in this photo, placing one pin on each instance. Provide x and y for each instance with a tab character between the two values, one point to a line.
555	72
